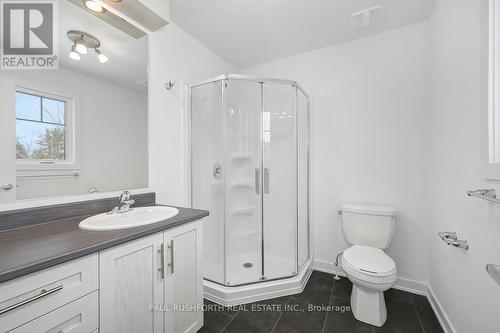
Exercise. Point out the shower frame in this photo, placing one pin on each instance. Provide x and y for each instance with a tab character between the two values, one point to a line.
304	269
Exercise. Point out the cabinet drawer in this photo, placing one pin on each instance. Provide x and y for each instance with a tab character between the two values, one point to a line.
33	295
79	316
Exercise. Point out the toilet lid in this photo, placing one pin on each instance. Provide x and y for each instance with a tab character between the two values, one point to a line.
369	260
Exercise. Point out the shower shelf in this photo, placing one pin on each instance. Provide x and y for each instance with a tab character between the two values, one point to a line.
241	156
243	233
242	210
242	183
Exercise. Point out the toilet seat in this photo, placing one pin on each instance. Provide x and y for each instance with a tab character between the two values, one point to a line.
369	264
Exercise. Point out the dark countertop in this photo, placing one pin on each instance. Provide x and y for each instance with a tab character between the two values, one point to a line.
29	249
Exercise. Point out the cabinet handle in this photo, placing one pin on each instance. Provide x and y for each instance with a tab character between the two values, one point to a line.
162	260
171	264
42	293
257	181
266	180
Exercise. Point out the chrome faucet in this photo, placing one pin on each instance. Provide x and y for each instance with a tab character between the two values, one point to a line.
125	203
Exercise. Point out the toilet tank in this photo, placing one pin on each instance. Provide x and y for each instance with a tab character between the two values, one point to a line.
368	225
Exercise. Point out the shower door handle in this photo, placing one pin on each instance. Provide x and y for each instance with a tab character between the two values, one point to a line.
266	180
257	181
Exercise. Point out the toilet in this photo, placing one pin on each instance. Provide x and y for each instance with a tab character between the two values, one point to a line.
369	230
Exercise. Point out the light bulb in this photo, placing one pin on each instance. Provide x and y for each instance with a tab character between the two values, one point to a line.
94	6
101	56
80	48
73	54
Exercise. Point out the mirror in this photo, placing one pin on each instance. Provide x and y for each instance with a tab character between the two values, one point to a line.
80	128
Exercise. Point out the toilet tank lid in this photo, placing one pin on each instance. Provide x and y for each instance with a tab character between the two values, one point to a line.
369	209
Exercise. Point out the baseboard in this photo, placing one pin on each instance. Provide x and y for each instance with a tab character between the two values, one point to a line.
404	284
438	310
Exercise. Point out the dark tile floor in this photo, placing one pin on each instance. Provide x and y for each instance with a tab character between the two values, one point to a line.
406	312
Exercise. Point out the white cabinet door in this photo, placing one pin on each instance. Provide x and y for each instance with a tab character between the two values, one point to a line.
184	278
8	139
130	284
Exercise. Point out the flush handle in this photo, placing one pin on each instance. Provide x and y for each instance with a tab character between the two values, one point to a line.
7	187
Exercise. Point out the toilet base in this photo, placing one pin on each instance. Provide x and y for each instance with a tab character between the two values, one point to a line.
368	305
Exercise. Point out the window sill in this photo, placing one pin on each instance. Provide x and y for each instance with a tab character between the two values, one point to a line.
26	167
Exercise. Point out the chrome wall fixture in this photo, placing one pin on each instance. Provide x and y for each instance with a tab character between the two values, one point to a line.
170	84
83	41
485	194
451	238
494	271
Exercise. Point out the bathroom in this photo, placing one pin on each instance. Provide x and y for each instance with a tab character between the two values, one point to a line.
384	114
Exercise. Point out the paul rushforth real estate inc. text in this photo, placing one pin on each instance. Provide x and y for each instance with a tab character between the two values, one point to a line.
260	307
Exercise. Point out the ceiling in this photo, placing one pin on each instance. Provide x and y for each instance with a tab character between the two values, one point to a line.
251	32
124	52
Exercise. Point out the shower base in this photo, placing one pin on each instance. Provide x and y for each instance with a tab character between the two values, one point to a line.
237	295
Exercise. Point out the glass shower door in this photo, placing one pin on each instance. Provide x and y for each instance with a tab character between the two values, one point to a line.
303	177
279	181
208	187
243	162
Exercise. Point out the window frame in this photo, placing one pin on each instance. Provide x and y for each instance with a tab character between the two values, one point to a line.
70	161
490	80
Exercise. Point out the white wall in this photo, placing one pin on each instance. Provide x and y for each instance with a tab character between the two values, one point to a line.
173	54
468	295
369	129
112	126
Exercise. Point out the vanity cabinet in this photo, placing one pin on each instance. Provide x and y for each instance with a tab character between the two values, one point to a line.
130	283
154	284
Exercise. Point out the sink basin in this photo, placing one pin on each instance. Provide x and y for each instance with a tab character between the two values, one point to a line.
135	217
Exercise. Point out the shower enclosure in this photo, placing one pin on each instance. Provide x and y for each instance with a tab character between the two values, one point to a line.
249	166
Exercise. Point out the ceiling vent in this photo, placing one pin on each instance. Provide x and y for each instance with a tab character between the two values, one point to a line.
367	17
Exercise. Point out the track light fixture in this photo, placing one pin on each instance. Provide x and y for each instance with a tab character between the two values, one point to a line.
83	41
101	56
80	47
74	54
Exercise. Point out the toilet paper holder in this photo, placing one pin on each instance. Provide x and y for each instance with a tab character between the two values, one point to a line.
451	238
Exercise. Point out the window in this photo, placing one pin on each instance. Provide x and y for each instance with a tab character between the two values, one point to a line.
494	82
490	96
43	128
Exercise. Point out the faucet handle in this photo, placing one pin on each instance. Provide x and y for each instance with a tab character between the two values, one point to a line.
125	196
